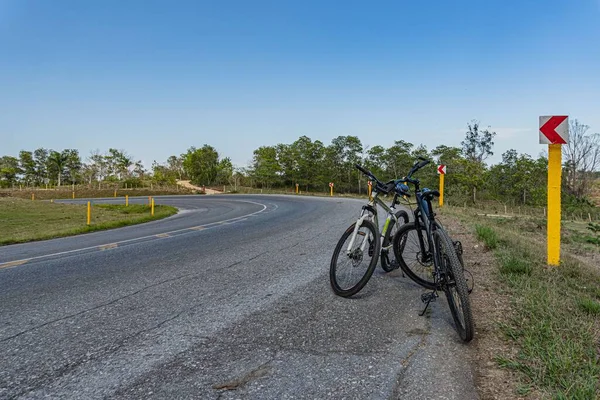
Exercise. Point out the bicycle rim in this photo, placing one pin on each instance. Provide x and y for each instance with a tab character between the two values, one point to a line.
350	270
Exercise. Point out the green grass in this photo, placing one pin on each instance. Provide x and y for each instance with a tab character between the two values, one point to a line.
26	220
487	236
554	324
589	306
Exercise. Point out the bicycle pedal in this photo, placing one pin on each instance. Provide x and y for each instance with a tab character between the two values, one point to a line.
429	297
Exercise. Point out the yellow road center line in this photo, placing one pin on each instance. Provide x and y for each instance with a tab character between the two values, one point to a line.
198	228
163	235
108	246
13	263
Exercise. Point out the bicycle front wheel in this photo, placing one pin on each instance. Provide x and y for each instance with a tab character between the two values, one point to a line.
351	268
455	285
388	263
415	258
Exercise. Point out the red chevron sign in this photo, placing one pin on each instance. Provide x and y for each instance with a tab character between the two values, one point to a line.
554	129
441	169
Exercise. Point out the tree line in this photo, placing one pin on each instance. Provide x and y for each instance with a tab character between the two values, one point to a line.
517	178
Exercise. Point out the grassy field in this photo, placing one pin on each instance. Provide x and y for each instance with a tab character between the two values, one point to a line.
83	192
555	319
26	220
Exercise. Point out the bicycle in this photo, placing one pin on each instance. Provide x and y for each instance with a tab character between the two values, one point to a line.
348	281
437	259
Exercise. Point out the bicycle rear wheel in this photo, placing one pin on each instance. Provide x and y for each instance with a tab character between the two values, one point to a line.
415	261
350	271
454	285
387	262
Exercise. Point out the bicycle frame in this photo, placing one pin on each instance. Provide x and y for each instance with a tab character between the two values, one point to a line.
366	212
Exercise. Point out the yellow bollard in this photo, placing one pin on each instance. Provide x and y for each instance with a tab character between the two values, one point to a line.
442	189
32	196
73	194
89	213
51	200
554	180
297	187
152	212
126	200
115	193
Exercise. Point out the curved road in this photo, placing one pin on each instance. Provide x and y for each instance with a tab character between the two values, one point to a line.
228	299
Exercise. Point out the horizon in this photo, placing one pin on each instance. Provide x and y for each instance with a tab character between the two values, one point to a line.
155	78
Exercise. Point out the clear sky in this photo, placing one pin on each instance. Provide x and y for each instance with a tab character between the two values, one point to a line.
156	77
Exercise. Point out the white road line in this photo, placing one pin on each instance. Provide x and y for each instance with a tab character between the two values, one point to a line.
15	263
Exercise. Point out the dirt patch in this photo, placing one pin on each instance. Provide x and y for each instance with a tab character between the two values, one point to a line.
491	307
189	185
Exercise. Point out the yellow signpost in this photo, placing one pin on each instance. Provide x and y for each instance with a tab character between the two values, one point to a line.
441	170
331	189
152	211
297	187
89	213
370	186
554	131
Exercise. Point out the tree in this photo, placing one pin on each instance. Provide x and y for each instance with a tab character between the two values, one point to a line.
225	171
176	165
201	165
478	144
98	167
56	165
342	154
9	170
582	155
27	165
119	163
265	168
72	164
138	170
41	165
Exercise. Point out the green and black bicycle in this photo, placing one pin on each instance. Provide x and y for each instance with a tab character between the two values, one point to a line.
360	247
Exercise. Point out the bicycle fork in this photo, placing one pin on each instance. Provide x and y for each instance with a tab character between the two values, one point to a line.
354	234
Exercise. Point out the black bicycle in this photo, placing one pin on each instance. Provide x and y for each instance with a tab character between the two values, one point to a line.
429	257
360	247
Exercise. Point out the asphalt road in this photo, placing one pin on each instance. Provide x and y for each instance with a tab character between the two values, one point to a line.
228	299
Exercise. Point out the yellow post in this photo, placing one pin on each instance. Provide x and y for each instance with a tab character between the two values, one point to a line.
126	200
369	190
73	194
152	212
297	186
442	189
32	196
89	213
331	191
115	193
554	180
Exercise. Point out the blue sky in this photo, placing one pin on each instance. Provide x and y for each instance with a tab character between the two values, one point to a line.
156	77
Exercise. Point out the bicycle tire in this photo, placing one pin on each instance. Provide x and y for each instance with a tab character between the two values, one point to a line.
372	251
455	286
386	263
407	250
